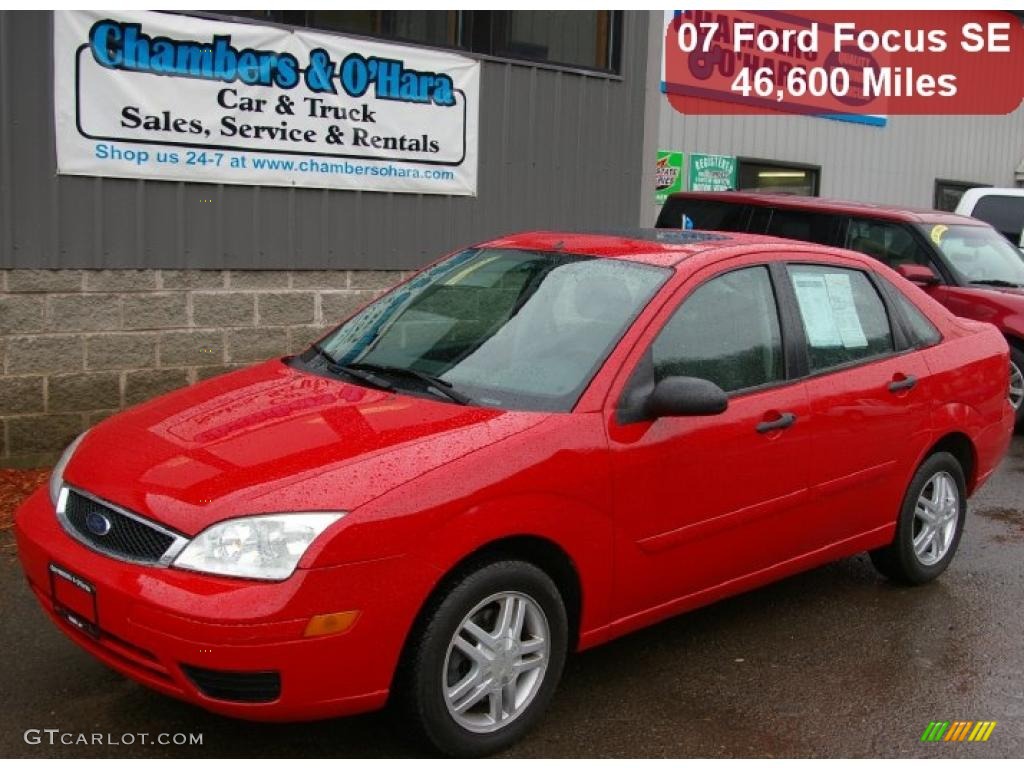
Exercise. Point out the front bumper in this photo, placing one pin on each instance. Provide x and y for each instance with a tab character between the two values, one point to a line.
153	621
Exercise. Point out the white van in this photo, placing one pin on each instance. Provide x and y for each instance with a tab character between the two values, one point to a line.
1003	208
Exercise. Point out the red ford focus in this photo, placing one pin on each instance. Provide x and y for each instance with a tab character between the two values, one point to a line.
533	446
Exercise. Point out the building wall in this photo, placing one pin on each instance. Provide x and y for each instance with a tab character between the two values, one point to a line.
79	345
895	164
550	139
113	291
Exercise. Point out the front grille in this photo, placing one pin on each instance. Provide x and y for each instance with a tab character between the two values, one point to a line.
235	686
125	537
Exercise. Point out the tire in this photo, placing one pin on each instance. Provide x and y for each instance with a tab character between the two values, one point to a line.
433	665
939	478
1017	383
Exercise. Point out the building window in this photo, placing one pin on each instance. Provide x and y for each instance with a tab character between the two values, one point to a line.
948	193
579	39
572	38
773	177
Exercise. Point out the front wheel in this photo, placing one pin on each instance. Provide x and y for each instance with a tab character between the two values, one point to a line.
486	659
930	524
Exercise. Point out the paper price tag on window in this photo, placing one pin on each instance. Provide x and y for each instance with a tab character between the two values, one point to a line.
829	311
844	310
819	324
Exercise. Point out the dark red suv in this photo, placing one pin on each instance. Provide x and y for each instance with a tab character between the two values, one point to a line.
961	262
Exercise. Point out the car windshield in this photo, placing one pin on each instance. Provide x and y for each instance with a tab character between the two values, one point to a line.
511	329
979	255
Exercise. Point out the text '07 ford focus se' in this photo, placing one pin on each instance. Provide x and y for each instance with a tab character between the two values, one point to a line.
531	447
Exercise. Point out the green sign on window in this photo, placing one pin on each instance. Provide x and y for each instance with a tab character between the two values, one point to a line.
668	175
712	173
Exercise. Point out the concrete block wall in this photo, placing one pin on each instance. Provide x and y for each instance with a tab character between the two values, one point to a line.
79	345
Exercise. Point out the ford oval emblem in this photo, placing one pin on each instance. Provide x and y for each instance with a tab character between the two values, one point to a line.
97	523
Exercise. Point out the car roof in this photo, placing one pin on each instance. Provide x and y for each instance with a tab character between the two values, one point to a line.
659	247
831	205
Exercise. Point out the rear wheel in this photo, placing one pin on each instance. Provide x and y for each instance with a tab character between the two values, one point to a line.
930	524
486	659
1016	392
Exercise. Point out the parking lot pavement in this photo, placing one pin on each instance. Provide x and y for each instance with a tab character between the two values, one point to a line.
835	662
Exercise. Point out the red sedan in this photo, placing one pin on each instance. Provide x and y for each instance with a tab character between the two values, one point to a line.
533	446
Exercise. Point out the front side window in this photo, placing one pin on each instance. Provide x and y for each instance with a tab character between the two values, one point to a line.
978	254
843	316
726	331
890	243
511	329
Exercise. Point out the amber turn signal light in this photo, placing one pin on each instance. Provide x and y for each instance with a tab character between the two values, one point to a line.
331	623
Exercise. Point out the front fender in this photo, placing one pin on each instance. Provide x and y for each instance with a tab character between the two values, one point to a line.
551	482
582	532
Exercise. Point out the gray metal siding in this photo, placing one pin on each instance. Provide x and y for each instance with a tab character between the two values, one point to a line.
557	150
897	164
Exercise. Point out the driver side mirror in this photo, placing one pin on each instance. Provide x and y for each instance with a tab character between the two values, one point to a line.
685	396
918	274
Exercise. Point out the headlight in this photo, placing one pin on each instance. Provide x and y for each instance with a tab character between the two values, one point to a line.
264	547
57	476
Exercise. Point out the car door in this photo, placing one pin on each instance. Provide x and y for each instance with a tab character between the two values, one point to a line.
701	500
870	398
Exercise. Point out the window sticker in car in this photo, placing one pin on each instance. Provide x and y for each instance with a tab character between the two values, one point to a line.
812	295
937	232
830	315
844	310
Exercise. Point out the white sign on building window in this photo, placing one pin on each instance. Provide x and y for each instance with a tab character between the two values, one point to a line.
165	96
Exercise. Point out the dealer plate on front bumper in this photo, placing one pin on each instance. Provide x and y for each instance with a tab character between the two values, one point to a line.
74	599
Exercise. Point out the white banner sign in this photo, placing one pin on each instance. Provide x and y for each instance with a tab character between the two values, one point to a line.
163	96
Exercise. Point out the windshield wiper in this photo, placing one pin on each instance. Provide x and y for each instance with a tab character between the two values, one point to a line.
445	388
366	377
997	283
317	347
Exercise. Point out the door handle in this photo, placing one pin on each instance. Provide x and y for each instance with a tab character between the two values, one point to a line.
785	421
907	382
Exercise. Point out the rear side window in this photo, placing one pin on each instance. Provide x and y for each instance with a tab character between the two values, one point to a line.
892	244
810	227
1005	214
726	331
919	329
705	214
843	316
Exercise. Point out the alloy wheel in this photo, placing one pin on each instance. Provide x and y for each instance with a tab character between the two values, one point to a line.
496	662
935	518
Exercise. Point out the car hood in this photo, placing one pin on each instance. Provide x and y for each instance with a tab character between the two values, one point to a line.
1016	292
270	439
